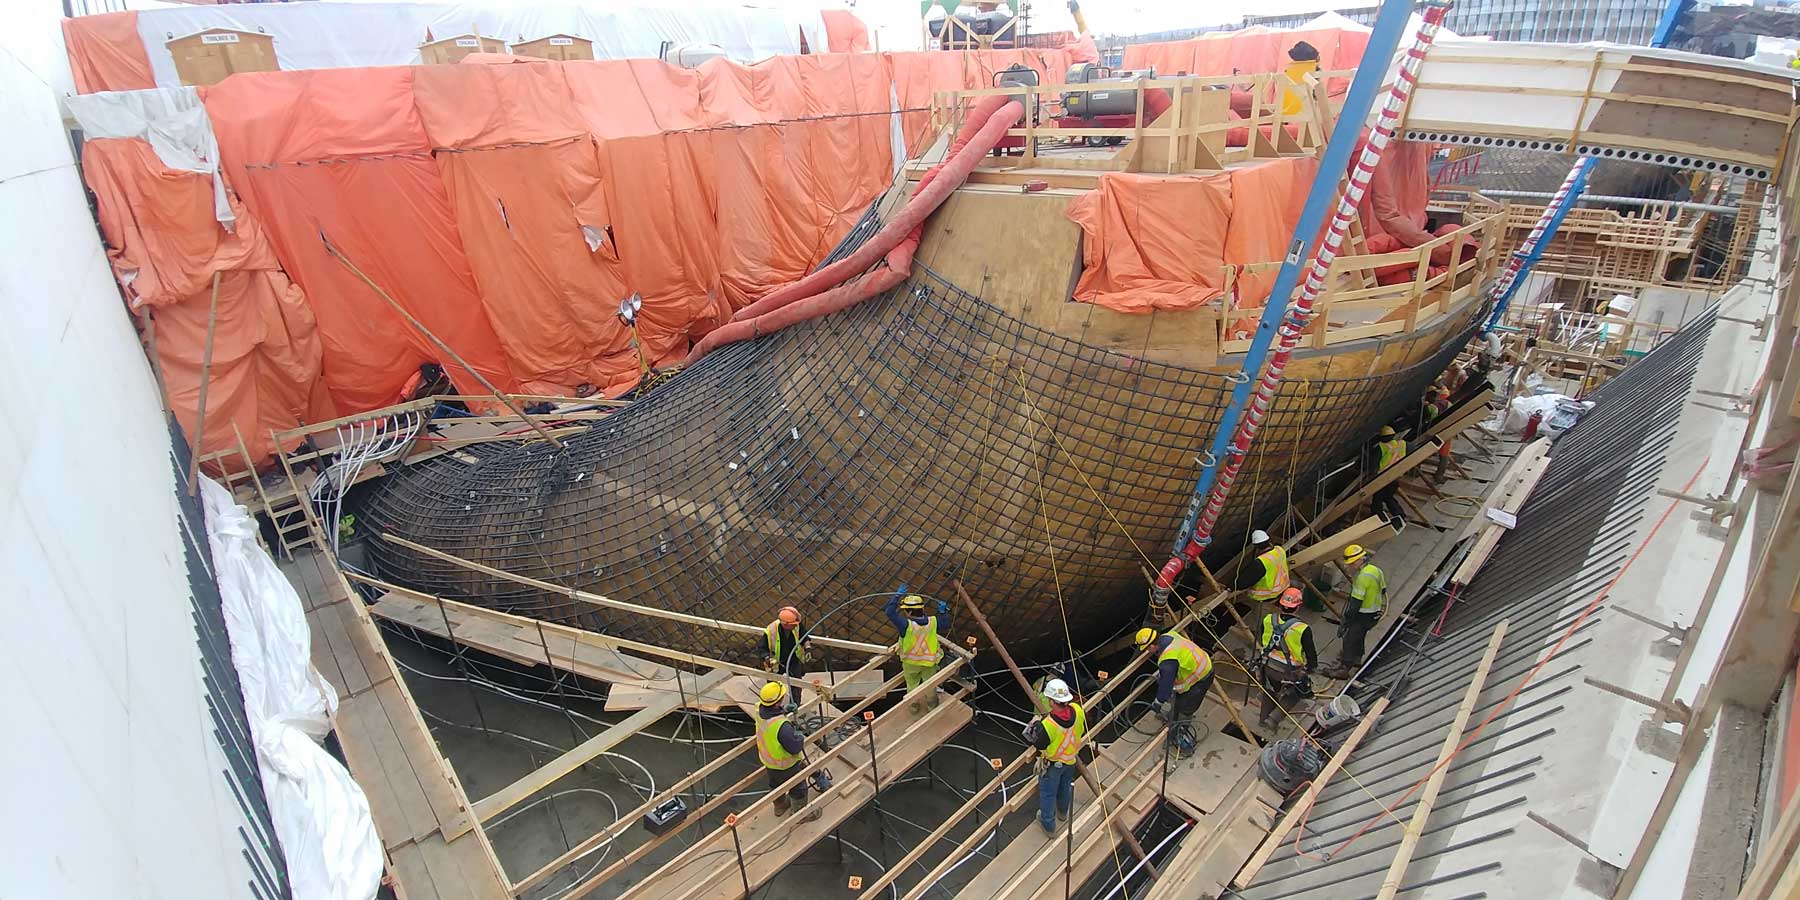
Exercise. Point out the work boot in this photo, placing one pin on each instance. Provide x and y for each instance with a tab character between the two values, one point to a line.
783	806
916	708
1049	830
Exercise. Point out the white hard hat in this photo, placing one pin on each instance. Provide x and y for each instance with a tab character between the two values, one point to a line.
1259	537
1056	690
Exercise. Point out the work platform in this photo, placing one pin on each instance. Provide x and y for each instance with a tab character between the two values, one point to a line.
414	796
1034	865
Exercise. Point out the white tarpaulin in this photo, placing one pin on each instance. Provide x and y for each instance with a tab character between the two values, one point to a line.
321	814
171	119
325	35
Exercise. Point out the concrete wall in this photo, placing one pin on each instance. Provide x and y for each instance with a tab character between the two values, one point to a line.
111	775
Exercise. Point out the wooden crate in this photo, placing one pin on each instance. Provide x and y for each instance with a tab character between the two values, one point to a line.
453	49
556	46
208	57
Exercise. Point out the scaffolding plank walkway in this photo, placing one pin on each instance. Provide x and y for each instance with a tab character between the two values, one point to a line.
412	793
1032	864
635	681
709	869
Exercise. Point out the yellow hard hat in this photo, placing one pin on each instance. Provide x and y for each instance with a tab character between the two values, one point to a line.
912	601
1144	637
1387	431
1354	554
772	693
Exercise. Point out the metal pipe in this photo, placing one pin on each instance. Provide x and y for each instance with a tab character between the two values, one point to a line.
1608	198
1179	830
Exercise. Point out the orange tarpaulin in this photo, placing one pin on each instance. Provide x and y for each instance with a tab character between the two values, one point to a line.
165	245
844	32
1152	242
340	153
1265	208
106	53
1398	190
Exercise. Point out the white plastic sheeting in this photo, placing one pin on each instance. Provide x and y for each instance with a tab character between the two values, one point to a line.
171	119
321	814
325	35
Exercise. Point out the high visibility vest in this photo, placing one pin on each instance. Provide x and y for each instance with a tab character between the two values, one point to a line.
1290	101
1391	452
1275	575
768	744
773	633
1284	644
1191	662
1065	743
920	643
1370	587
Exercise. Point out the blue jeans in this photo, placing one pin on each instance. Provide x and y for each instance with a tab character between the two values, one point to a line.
1056	793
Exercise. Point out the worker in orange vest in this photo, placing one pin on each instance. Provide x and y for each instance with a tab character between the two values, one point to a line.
1058	737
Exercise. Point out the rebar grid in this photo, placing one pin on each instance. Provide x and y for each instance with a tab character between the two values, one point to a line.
901	441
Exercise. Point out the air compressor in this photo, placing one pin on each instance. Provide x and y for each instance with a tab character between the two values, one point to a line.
1113	107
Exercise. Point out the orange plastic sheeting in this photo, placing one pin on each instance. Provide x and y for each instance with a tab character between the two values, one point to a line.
106	53
1152	242
844	32
1251	51
1398	191
287	141
1266	200
165	245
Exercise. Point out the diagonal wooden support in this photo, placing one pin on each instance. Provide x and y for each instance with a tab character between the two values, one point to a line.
581	754
1409	840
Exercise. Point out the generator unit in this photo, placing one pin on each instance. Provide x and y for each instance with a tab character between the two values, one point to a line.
1115	102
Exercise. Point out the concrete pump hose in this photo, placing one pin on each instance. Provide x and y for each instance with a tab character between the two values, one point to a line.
825	291
981	115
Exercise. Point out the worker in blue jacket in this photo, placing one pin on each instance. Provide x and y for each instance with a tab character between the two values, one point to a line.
920	633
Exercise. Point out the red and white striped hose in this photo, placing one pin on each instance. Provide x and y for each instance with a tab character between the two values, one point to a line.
1511	273
1301	313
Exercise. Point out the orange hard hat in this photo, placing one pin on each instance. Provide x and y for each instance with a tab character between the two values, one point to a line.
1290	598
788	616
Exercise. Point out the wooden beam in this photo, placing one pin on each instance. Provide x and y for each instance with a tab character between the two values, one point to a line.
621	605
1300	808
1474	410
581	754
1367	531
1385	477
1409	840
1490	531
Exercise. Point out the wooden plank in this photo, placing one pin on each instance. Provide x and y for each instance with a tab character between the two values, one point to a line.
420	752
370	738
1409	840
575	757
623	606
1474	410
707	869
1491	531
1385	477
1201	782
1369	531
1247	874
628	697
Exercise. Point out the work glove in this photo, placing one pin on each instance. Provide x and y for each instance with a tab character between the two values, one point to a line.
1167	710
1026	732
768	664
943	608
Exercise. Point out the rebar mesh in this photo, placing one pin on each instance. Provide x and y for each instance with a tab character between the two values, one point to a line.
920	436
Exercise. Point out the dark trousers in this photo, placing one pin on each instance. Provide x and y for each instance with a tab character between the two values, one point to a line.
1188	702
1387	502
796	796
1356	628
1282	685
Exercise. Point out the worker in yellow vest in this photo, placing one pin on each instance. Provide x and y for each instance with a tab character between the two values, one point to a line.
1266	576
1288	658
1305	61
780	745
1368	591
1184	674
1387	449
918	646
1058	737
787	644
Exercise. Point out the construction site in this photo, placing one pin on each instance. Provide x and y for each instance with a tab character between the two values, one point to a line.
580	450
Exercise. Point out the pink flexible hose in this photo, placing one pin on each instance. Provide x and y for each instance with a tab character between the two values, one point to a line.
831	289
